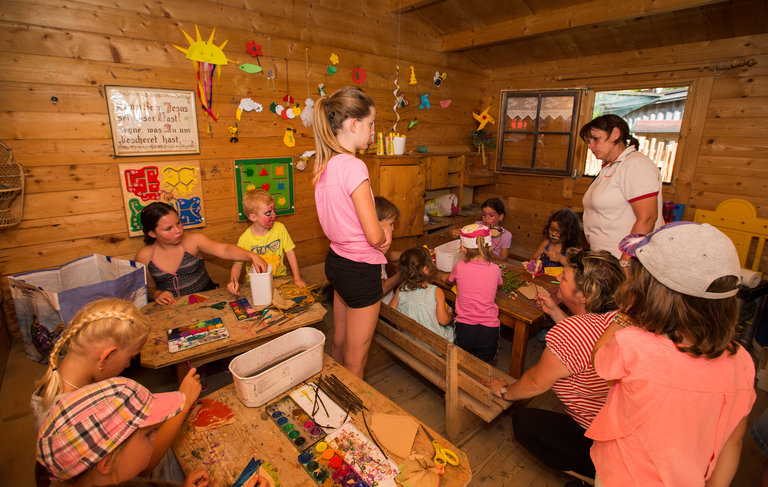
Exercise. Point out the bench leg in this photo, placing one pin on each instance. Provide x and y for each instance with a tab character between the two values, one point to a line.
519	348
452	417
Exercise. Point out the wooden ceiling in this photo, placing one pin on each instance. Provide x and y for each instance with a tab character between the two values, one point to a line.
496	33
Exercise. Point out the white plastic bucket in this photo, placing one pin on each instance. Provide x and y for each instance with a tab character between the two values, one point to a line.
447	255
261	286
398	145
267	371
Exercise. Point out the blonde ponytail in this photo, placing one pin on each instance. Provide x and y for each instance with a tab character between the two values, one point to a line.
105	319
329	115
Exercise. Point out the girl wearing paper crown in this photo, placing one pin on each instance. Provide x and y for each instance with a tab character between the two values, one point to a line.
682	386
477	278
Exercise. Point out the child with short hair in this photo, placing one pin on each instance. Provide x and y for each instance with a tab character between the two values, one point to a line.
419	299
103	433
98	344
682	386
342	125
265	237
561	232
387	213
477	279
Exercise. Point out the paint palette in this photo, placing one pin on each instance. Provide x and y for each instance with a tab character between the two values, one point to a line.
327	467
243	309
196	334
295	423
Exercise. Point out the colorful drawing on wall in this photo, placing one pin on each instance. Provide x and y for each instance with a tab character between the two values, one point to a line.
175	183
273	175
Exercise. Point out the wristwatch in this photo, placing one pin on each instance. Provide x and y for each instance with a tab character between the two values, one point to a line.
503	392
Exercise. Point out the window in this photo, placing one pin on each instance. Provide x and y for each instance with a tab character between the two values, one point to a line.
654	117
537	131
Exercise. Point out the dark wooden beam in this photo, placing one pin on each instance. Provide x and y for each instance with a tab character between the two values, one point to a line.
401	6
587	13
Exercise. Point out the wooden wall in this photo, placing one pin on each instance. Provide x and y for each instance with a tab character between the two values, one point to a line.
723	152
71	49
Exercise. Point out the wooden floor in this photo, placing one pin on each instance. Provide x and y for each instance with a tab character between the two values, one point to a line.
496	459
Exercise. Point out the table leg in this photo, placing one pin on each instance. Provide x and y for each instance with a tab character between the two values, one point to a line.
519	348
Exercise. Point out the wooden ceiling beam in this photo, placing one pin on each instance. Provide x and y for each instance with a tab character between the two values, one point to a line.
400	6
587	13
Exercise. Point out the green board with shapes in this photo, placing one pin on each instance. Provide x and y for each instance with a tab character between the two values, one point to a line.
274	175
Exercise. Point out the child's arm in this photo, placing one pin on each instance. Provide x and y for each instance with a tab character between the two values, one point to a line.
198	241
390	283
191	387
444	312
366	213
537	255
234	278
294	264
728	461
160	297
197	478
393	303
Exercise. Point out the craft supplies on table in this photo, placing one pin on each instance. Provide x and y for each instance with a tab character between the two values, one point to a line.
327	467
189	336
448	255
316	403
243	309
295	424
363	455
271	369
261	286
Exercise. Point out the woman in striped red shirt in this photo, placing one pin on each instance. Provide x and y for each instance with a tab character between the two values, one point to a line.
587	285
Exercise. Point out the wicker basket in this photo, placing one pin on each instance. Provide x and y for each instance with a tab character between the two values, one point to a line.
11	186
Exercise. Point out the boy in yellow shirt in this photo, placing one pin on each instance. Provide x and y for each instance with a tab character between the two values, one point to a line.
266	237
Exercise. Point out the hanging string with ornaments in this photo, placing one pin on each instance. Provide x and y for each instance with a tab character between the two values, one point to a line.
397	71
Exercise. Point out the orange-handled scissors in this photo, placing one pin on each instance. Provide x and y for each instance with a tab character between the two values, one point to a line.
442	455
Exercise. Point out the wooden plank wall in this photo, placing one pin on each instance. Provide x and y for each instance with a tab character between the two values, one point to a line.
723	152
71	49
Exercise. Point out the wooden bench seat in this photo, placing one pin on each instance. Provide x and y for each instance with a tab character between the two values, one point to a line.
446	365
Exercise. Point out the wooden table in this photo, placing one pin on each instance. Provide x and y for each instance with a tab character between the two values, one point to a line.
225	451
518	313
243	335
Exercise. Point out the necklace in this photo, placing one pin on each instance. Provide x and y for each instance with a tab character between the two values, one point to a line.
69	383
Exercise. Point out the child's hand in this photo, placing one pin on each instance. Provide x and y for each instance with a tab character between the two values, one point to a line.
455	233
233	286
299	282
555	256
449	309
165	298
197	478
191	388
384	248
256	480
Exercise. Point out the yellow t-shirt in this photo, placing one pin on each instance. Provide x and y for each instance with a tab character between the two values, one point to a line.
270	247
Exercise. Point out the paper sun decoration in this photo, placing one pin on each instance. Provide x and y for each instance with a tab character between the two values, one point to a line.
483	118
207	57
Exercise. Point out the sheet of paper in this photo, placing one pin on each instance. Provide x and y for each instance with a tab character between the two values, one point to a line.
331	415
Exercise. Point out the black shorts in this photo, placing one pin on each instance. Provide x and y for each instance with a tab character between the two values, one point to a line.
358	283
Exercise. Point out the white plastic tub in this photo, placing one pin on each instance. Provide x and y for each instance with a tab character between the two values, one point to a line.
447	255
267	371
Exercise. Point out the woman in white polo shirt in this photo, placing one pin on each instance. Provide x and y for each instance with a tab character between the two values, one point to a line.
625	197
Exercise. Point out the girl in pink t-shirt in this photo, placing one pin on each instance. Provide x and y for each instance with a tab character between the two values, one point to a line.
477	278
343	124
676	412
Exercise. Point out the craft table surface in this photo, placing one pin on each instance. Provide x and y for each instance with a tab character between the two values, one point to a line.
243	335
224	451
518	313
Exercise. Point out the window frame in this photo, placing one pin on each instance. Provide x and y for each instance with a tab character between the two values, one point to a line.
576	94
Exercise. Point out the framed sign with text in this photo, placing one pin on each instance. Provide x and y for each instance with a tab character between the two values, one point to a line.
152	121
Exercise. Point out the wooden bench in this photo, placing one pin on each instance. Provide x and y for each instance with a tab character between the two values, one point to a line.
446	365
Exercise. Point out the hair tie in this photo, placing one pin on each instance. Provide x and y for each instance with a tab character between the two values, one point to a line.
54	369
330	115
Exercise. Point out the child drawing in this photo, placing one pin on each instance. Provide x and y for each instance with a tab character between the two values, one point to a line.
266	237
561	232
493	214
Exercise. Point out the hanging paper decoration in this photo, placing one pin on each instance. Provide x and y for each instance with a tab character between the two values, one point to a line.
308	112
412	124
255	51
304	158
359	74
397	98
233	134
334	58
332	69
288	138
207	57
250	68
402	100
445	103
321	89
483	118
424	102
412	81
248	105
272	73
439	78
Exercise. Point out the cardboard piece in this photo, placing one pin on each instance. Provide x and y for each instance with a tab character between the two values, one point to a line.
395	432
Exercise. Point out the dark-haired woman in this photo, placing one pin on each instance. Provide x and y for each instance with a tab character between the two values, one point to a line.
587	285
625	197
173	257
